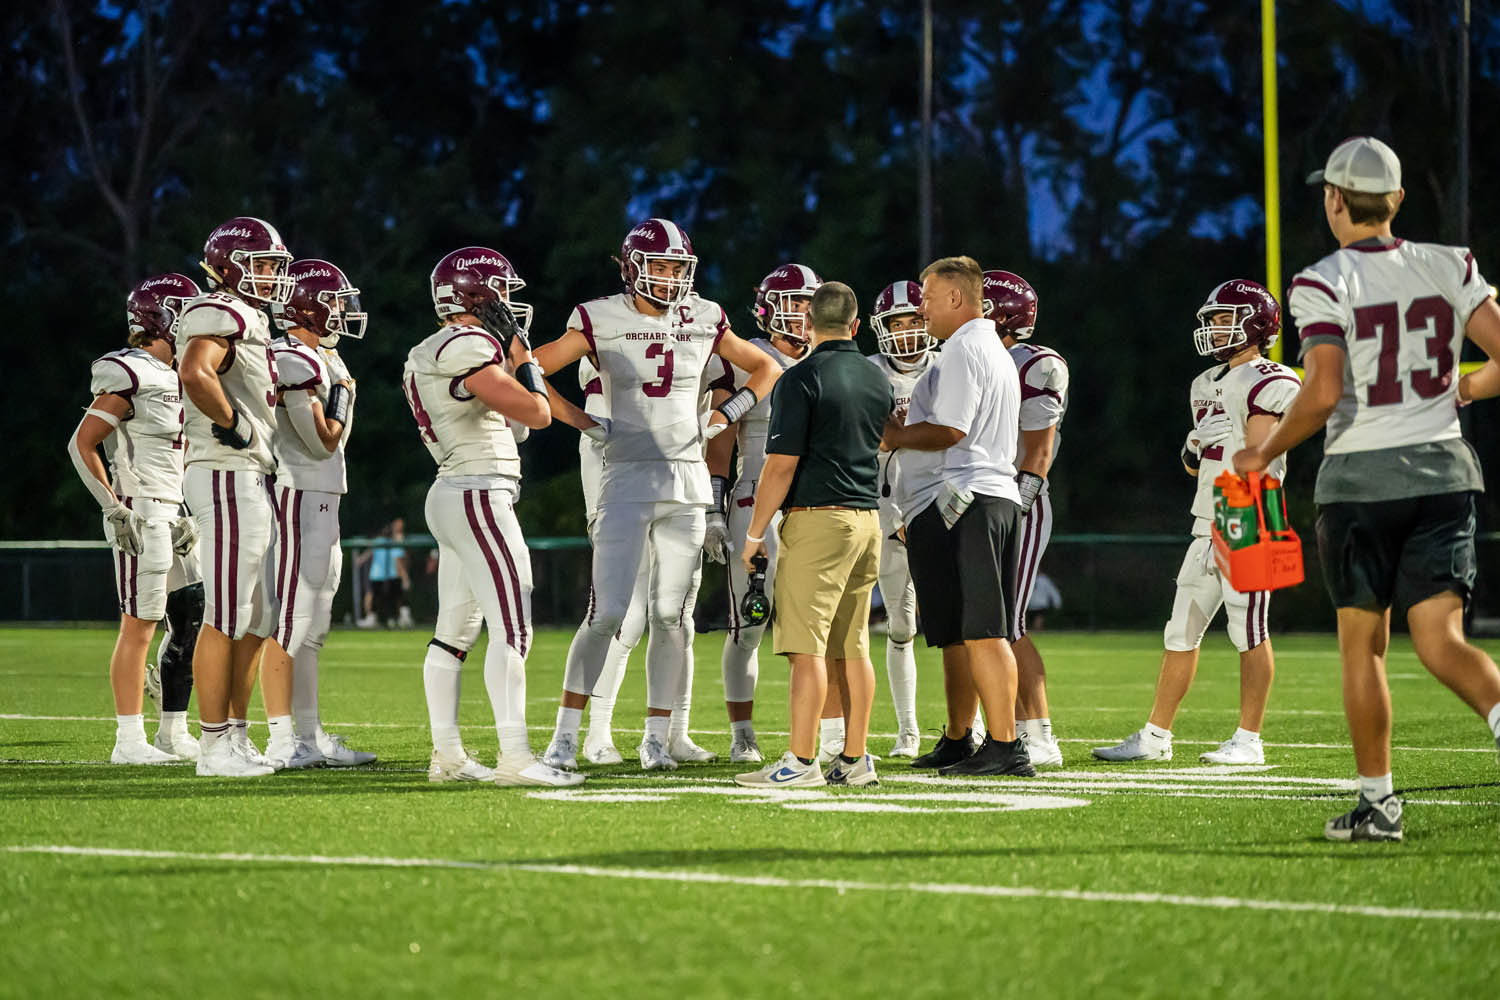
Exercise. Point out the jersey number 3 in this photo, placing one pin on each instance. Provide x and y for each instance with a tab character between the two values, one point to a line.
660	388
1384	322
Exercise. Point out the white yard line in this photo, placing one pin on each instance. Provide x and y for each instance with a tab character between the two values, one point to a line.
840	886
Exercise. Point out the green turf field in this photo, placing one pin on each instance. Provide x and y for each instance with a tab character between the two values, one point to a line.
1166	880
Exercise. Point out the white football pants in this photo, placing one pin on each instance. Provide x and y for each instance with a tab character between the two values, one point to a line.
1036	532
306	565
234	512
740	663
900	597
143	582
1200	591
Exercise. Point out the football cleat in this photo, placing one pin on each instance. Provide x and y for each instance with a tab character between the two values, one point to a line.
280	753
241	744
305	754
788	772
654	756
141	753
336	754
527	771
861	772
601	751
1044	753
947	751
1233	751
1139	745
465	768
220	759
908	744
179	744
994	758
153	686
685	751
562	752
745	751
1367	821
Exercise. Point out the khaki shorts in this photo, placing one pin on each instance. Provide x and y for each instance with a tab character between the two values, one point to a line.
829	562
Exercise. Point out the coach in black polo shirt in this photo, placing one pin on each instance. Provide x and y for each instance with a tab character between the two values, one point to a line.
827	414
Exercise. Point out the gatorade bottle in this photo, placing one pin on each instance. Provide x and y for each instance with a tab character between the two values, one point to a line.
1275	502
1240	523
1225	478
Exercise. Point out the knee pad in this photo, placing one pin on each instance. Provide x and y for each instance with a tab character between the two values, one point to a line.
185	617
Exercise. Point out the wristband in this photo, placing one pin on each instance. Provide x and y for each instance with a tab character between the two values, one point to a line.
720	486
338	403
530	377
739	404
757	541
1191	458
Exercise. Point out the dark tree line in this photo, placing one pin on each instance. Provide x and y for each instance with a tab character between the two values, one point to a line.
1109	150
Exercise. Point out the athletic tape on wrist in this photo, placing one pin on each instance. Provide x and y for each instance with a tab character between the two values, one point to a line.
739	404
720	486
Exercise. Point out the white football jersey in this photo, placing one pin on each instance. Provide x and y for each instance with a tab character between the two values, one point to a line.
754	427
651	372
1255	387
249	382
298	369
593	390
465	437
902	384
1399	310
145	452
1044	394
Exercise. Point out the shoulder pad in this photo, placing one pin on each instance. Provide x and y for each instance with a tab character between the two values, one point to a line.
213	315
465	350
113	373
296	366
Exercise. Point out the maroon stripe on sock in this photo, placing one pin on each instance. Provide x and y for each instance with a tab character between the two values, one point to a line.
515	578
471	511
232	514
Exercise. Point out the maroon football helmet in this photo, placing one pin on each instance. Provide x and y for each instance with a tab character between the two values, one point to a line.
466	280
773	296
1010	301
1255	319
653	240
323	301
904	348
152	307
233	250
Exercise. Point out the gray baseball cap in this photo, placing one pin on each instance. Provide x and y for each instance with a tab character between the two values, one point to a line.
1360	164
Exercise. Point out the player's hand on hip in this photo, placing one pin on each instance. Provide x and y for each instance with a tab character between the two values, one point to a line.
184	535
716	538
599	431
1250	460
716	425
1212	429
238	435
123	526
753	548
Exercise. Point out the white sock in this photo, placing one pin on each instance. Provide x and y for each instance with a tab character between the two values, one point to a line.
684	707
1245	736
1023	730
239	729
513	739
1494	720
657	726
901	670
601	719
130	729
568	721
977	727
1375	789
210	733
305	693
742	730
442	677
173	724
831	732
281	729
1042	729
1156	733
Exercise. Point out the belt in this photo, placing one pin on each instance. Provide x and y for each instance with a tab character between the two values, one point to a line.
792	510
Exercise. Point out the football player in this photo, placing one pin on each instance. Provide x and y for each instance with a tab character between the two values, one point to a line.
1382	322
467	384
650	344
229	378
904	354
1011	302
1238	400
780	312
313	421
137	418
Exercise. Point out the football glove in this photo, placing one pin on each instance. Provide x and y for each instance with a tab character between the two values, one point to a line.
238	435
184	535
1192	453
500	322
716	538
600	431
1212	429
122	527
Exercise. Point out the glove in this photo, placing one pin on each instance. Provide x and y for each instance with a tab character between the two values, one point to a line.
712	430
716	538
500	322
1212	429
238	435
1030	485
123	527
1192	453
184	535
600	431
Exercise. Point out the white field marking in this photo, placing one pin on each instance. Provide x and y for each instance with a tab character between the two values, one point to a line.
970	800
777	882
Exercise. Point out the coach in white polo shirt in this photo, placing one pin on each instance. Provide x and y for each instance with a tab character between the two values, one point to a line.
962	508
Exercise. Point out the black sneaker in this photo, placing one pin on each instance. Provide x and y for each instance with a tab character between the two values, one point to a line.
994	758
948	751
1367	821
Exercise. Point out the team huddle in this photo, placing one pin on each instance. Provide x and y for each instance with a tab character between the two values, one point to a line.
225	421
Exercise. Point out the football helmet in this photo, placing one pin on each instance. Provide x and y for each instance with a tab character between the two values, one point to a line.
787	282
1010	301
152	307
466	280
233	250
323	301
903	348
1256	319
653	240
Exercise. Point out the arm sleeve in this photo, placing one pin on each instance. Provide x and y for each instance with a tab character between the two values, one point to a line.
300	412
102	494
791	410
1318	306
207	318
1472	288
1044	392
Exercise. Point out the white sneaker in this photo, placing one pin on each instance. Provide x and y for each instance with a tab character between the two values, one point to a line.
153	686
180	745
1139	745
530	772
788	772
336	754
1233	751
368	621
601	751
241	744
828	754
685	751
465	768
745	751
861	772
908	743
279	753
654	756
1043	752
141	753
221	760
562	752
305	754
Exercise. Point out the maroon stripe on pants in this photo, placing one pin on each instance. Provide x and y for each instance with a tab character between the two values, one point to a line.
122	581
294	538
218	621
281	585
232	514
472	513
515	578
1026	575
1252	619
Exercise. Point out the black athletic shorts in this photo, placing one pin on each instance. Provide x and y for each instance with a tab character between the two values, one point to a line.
965	578
1376	554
